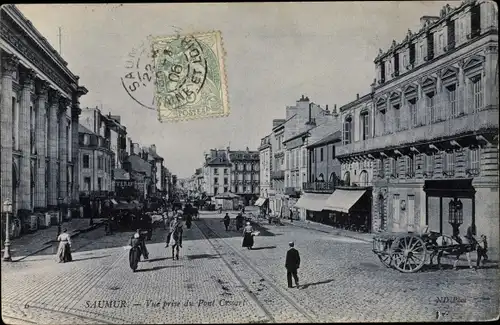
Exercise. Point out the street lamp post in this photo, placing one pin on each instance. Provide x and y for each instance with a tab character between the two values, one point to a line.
7	208
59	201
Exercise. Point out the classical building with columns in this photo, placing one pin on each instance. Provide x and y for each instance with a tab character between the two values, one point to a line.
432	131
39	120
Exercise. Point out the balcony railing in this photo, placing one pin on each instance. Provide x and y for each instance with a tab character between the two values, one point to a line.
328	187
280	174
484	119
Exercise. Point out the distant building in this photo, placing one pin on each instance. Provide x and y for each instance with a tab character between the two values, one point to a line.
265	157
216	173
245	174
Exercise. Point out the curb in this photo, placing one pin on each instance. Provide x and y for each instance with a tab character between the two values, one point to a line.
333	232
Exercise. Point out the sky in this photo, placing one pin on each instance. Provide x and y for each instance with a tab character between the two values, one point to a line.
275	52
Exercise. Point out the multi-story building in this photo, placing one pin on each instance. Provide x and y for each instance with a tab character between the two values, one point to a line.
265	158
309	120
156	161
434	131
217	173
96	160
39	120
245	174
277	191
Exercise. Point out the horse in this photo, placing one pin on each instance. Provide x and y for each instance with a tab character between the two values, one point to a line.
447	245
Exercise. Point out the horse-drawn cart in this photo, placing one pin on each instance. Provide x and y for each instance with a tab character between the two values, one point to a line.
408	252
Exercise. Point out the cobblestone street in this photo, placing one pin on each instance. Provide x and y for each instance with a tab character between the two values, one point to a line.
216	280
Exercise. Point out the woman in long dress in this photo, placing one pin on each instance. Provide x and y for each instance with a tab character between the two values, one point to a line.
64	249
247	236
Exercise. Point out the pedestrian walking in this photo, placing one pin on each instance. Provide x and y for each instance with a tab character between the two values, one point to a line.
227	221
291	215
64	249
292	263
174	224
248	236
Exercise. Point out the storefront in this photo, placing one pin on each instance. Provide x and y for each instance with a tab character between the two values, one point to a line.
351	208
314	204
450	202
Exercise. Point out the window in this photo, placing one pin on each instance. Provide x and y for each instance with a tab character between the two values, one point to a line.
363	178
450	24
304	158
430	46
412	54
382	72
405	61
477	91
216	180
422	53
410	166
441	43
216	171
383	125
321	154
475	20
348	130
216	190
430	104
99	163
451	91
365	127
449	163
225	189
412	103
392	166
429	165
99	184
225	181
389	69
244	189
225	171
86	161
86	184
397	119
473	160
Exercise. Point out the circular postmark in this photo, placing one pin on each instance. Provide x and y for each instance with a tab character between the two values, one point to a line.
138	79
181	71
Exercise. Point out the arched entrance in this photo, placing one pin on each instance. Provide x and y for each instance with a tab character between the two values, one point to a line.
347	179
363	178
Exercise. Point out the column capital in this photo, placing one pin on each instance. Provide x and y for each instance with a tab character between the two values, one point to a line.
27	77
10	63
54	96
63	104
42	88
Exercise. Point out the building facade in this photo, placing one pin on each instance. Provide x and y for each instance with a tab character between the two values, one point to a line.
277	191
245	174
39	120
434	126
265	158
217	173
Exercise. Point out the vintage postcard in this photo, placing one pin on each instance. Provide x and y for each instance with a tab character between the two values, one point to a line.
222	163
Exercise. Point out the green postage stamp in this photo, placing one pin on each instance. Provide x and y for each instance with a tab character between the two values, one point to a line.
190	76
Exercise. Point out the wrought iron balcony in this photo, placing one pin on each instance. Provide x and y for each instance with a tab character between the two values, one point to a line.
325	187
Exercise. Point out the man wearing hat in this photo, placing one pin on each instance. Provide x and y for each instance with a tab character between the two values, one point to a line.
292	263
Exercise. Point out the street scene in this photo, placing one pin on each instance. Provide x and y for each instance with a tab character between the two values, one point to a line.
245	163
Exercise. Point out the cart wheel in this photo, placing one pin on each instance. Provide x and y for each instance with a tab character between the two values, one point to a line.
386	259
409	254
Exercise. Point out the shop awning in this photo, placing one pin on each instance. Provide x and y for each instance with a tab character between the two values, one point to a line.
114	201
260	201
343	200
312	201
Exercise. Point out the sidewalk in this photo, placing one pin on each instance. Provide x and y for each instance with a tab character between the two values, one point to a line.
30	244
329	229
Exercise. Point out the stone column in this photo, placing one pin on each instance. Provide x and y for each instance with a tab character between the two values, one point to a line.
63	150
42	93
75	113
27	82
9	65
54	96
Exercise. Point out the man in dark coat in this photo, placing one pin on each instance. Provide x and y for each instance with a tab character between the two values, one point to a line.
292	264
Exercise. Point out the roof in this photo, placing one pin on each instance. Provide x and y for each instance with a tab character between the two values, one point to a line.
306	132
154	154
120	174
334	137
283	124
139	165
83	129
218	161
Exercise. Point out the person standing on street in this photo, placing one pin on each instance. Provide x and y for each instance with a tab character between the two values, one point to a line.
227	221
291	215
292	264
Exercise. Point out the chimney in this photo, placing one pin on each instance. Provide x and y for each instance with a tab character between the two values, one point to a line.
326	106
153	148
357	96
310	117
335	110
